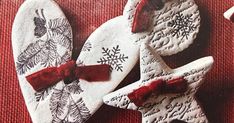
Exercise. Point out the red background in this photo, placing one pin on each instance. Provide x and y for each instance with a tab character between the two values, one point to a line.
216	38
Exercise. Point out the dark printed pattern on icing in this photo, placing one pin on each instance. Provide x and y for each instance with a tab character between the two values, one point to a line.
40	96
51	35
64	108
165	107
113	57
167	34
40	23
44	51
87	46
182	25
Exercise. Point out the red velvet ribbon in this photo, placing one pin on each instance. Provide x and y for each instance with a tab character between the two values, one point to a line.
141	21
140	95
68	72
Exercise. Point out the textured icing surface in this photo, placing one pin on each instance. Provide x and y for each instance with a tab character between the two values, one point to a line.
166	107
173	28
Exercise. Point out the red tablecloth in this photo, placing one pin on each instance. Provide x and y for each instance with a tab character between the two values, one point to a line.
216	38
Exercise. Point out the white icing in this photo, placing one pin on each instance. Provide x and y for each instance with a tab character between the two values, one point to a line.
165	107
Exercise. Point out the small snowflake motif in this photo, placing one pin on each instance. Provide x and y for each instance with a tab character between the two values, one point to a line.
182	25
87	46
113	58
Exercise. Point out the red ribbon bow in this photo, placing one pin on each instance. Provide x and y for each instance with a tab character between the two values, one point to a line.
141	20
68	72
140	95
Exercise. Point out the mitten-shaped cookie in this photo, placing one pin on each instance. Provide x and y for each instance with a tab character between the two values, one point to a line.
175	27
41	38
114	43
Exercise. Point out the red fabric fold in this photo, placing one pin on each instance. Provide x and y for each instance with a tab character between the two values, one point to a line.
141	21
68	72
140	95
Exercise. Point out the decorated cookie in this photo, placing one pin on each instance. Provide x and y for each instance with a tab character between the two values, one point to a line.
115	43
172	24
112	43
41	38
47	46
163	94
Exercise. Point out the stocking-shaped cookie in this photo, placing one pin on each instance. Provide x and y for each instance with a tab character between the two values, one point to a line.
163	94
41	37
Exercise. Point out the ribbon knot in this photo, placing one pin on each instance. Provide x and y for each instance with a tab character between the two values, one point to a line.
140	95
68	72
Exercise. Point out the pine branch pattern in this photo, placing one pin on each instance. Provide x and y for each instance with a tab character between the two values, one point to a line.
74	87
40	96
182	25
78	112
63	107
52	34
59	30
58	102
44	51
30	57
113	57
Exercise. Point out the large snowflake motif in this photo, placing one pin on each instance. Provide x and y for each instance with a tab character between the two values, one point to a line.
182	25
113	58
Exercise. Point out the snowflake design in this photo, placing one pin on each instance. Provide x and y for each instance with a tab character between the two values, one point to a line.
113	58
182	25
87	46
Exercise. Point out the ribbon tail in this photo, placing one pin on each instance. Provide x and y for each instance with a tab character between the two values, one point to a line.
141	19
44	78
138	102
178	85
94	73
140	95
